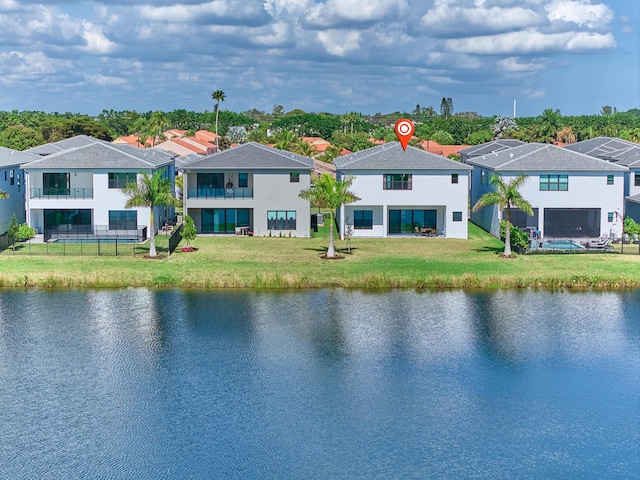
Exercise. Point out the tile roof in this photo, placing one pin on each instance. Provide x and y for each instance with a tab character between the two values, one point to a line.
253	156
490	147
101	154
391	156
10	157
542	157
600	146
67	143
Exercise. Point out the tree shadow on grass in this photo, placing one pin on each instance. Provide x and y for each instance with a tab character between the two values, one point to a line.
496	250
324	250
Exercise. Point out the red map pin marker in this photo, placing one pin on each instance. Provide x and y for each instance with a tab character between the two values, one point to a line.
404	131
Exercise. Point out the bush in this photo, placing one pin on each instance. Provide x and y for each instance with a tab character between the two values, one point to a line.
25	232
631	227
188	232
519	239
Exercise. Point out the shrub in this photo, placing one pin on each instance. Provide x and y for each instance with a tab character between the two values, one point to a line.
519	239
25	232
188	232
631	227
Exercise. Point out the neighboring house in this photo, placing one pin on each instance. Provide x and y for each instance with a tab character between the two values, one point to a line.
404	193
62	145
620	152
132	140
251	187
442	150
487	148
187	146
12	182
573	195
320	143
77	191
321	167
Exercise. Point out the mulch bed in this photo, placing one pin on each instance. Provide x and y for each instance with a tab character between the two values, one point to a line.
337	257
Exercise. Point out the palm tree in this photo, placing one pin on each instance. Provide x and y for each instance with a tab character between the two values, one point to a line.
152	191
156	126
218	96
3	195
329	193
505	196
306	149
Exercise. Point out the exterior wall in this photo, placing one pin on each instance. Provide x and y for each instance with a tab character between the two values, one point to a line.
430	190
14	205
104	199
629	182
632	210
272	190
585	190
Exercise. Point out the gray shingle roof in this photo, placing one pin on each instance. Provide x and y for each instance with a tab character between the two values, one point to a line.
490	147
600	146
634	199
100	154
543	157
10	157
67	143
390	156
252	156
628	156
184	160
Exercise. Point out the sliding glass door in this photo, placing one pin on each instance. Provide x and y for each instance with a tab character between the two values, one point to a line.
224	220
406	221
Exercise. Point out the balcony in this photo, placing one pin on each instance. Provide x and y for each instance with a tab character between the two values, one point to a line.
62	193
220	193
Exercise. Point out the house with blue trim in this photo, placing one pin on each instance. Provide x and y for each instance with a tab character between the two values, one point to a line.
12	182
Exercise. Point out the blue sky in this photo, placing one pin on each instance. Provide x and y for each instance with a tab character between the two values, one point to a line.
334	56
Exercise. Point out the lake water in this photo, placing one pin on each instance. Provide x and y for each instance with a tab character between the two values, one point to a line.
143	384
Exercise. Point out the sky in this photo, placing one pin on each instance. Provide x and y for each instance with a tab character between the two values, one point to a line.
335	56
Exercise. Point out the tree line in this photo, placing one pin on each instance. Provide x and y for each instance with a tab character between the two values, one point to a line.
354	131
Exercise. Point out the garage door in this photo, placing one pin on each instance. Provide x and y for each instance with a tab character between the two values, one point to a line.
571	222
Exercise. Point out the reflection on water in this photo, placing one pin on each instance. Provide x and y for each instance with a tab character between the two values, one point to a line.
136	383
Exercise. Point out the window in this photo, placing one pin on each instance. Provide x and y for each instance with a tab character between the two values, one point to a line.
482	177
636	179
243	180
609	179
18	182
11	179
397	181
554	183
454	178
120	179
56	183
363	219
123	220
610	217
457	216
5	175
294	177
281	220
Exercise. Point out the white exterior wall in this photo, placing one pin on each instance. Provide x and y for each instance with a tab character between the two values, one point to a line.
14	205
104	199
429	190
272	190
585	190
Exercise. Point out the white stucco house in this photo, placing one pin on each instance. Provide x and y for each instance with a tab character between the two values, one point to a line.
573	195
75	189
12	182
410	192
249	188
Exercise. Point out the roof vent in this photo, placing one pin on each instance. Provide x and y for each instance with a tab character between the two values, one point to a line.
511	155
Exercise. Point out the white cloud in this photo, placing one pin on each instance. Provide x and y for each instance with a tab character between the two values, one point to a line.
513	64
279	35
203	12
20	66
334	12
530	93
580	12
438	79
105	80
96	41
339	42
627	30
531	41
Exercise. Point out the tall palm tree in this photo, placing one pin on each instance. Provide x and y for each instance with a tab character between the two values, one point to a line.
506	195
329	193
151	191
156	126
218	96
306	149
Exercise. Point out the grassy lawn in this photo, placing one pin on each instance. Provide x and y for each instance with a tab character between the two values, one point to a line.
416	262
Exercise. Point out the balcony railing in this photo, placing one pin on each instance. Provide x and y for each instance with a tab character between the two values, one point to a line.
62	193
220	193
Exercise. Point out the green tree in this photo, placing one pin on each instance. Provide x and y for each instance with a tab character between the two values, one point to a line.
188	231
18	137
548	125
156	126
446	107
151	191
14	228
306	149
218	96
505	195
328	193
477	138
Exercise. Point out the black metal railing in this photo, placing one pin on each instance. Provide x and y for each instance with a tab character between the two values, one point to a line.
94	232
220	193
64	193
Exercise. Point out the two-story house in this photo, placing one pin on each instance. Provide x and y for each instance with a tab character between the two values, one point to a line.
487	148
12	183
410	192
573	195
77	190
249	188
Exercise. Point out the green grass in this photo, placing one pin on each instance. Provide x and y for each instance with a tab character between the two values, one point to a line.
263	262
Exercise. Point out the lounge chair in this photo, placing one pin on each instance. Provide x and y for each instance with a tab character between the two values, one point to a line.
600	244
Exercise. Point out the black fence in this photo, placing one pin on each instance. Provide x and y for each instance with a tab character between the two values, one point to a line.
175	238
79	247
96	233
